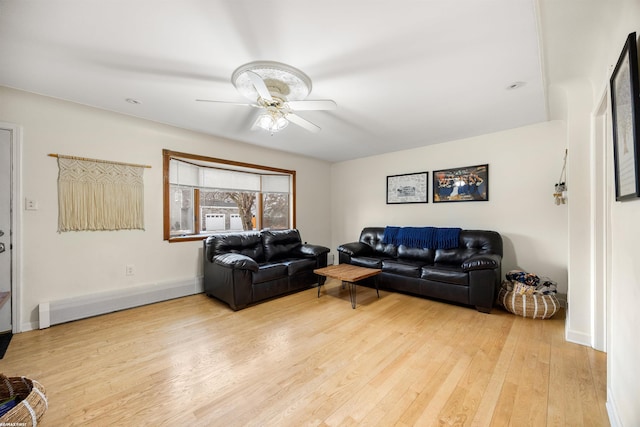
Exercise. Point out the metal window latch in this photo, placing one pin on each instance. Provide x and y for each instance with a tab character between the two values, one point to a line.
2	248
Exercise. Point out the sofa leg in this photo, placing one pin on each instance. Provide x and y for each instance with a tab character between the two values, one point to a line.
483	309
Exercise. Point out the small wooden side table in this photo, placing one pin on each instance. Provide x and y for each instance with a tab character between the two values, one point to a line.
349	275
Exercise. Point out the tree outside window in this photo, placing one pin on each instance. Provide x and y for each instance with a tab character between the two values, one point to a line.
275	210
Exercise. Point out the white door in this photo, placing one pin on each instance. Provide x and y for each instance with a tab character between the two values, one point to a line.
235	222
214	222
5	226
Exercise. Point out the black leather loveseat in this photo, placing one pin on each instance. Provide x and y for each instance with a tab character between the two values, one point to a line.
468	273
244	268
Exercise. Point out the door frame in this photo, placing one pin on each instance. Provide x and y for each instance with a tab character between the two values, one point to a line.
16	224
602	166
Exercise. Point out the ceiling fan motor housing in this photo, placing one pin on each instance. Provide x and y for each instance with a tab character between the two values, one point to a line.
283	81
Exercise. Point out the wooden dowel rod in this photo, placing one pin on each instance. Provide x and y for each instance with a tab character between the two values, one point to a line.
96	160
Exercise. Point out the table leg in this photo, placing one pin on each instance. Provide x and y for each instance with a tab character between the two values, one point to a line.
352	293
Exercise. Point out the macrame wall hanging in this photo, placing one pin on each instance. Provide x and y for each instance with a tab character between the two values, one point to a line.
560	193
99	195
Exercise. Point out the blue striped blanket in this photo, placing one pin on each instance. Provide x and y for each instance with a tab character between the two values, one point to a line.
422	237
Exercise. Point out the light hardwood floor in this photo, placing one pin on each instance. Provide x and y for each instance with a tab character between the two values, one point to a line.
302	360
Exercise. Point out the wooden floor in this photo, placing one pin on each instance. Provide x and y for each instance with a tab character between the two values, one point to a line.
302	360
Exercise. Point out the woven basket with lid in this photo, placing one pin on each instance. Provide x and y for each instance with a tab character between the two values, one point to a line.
534	306
32	400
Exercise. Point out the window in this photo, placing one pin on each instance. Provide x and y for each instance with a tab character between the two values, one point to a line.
205	195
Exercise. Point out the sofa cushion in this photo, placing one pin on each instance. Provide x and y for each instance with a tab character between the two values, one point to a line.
454	257
249	244
405	267
270	271
295	266
445	274
485	242
424	255
279	244
372	236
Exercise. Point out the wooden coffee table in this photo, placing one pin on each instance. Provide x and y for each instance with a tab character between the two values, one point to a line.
349	275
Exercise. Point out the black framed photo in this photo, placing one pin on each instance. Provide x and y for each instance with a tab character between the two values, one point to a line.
625	106
408	188
465	184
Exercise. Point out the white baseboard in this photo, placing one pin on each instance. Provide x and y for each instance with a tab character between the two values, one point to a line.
571	335
577	337
29	326
75	308
614	418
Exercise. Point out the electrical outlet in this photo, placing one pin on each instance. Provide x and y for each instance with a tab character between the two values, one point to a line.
130	270
30	205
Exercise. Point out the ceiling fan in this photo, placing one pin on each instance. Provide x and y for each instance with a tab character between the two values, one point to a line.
279	90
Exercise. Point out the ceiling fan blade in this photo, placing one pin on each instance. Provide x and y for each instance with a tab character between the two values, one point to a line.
229	103
260	86
320	104
304	123
255	126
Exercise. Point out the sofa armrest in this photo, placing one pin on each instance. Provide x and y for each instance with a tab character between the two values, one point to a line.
309	251
482	262
236	261
355	249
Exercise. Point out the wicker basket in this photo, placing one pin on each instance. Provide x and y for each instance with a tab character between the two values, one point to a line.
32	400
533	306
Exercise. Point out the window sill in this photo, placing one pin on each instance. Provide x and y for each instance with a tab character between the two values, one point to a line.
189	238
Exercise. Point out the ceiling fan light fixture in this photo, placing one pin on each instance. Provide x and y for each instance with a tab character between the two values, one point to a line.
272	122
282	80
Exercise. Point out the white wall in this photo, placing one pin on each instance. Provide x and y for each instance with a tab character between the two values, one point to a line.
524	165
623	345
602	28
83	263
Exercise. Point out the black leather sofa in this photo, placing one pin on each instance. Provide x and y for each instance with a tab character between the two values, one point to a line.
469	274
248	267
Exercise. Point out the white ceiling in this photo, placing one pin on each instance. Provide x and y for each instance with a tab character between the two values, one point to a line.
404	73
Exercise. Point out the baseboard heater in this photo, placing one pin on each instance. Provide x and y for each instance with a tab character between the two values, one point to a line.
66	310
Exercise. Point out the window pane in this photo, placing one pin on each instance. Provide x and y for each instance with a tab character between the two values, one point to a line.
275	211
275	183
181	209
229	180
181	173
227	211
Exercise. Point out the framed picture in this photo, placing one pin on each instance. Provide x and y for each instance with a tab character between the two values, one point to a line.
625	106
408	188
466	184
